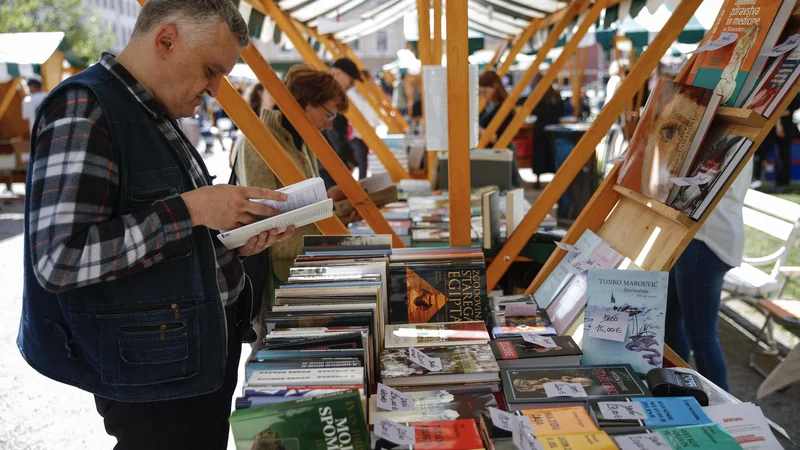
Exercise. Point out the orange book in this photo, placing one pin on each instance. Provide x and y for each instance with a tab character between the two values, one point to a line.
597	440
569	420
665	142
732	71
459	434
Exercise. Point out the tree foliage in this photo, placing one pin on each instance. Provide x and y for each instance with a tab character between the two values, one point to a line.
84	35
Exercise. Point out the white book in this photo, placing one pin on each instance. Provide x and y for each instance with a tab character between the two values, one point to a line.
515	209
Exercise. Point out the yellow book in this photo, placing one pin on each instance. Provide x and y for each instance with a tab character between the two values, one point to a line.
569	420
598	440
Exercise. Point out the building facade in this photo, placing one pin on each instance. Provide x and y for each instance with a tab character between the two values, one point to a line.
118	16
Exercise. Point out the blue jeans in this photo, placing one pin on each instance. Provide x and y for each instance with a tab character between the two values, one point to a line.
695	286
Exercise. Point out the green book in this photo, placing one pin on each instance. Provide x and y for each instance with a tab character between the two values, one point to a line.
325	422
706	437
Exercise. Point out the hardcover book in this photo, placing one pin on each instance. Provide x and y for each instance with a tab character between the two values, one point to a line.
775	83
720	154
437	292
435	334
461	364
439	435
437	405
518	353
506	327
640	295
490	215
609	382
317	423
733	70
673	125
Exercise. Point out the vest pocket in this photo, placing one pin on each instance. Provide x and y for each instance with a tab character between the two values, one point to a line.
152	346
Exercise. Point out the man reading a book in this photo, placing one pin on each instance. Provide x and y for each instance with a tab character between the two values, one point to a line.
129	294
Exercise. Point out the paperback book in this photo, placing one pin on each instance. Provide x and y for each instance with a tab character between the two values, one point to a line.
519	353
656	412
437	405
634	300
435	334
549	421
461	364
775	84
673	125
459	434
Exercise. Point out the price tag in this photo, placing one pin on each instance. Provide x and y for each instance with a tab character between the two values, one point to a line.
581	266
502	419
724	40
394	432
608	324
700	178
616	160
390	399
520	309
568	247
648	441
419	358
622	411
541	341
521	434
788	45
562	389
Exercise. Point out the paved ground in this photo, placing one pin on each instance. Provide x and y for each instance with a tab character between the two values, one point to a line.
36	413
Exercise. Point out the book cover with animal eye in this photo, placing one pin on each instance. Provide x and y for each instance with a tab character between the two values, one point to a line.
673	123
441	292
643	297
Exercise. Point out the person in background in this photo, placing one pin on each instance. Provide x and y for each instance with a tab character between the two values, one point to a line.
695	283
491	88
129	294
322	99
255	98
399	95
785	133
346	73
548	112
615	72
31	102
360	149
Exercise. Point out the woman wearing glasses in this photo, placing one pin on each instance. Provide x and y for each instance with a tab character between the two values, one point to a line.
322	99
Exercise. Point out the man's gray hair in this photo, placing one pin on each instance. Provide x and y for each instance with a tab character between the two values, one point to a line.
195	18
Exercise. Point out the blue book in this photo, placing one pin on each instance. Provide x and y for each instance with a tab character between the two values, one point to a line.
672	411
632	302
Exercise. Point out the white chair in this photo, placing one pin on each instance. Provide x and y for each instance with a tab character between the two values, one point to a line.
780	219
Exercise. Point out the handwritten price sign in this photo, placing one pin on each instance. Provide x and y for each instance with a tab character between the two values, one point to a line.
541	341
610	325
652	441
724	40
568	247
390	399
622	410
697	180
789	44
394	432
562	389
421	359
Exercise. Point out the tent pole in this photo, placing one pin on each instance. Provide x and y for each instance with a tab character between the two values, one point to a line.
458	124
9	95
436	52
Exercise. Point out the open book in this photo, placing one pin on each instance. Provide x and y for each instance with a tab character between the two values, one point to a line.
379	188
308	202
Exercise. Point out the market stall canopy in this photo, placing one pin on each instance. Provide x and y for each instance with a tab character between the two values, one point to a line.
21	54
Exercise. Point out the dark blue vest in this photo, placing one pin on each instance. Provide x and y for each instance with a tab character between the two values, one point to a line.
158	334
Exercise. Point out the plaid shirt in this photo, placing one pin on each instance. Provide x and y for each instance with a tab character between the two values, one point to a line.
75	238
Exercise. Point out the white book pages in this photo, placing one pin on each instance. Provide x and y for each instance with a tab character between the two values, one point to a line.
304	193
299	217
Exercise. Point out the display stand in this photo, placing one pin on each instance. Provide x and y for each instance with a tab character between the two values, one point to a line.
588	143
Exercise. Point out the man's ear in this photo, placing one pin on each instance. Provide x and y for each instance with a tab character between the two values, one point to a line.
166	38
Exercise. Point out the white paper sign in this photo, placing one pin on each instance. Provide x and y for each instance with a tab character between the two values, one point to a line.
520	434
541	341
788	45
724	39
616	160
648	441
390	399
568	247
700	178
394	432
502	419
520	309
581	266
562	389
419	358
622	410
608	324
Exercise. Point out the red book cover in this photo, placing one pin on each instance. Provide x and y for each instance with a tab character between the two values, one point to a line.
448	435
